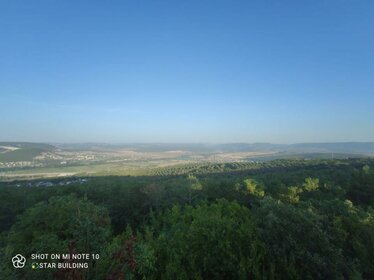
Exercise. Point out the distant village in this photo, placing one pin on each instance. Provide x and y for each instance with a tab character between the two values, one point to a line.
52	183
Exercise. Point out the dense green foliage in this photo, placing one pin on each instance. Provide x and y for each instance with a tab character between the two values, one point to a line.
284	219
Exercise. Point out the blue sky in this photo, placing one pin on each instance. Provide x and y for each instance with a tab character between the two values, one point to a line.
187	71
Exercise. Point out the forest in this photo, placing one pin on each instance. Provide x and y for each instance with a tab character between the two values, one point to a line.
282	219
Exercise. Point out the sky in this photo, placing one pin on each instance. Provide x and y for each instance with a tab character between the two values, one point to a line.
187	71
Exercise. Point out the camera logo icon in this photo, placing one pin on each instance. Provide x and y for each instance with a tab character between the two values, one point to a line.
19	261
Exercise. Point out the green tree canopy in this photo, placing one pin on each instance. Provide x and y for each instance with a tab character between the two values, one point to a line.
209	241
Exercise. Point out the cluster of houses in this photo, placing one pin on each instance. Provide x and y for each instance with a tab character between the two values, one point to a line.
13	164
53	183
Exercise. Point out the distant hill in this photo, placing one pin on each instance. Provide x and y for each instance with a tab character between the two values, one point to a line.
343	147
359	148
165	147
22	151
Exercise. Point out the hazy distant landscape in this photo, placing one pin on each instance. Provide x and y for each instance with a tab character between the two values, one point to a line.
38	160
